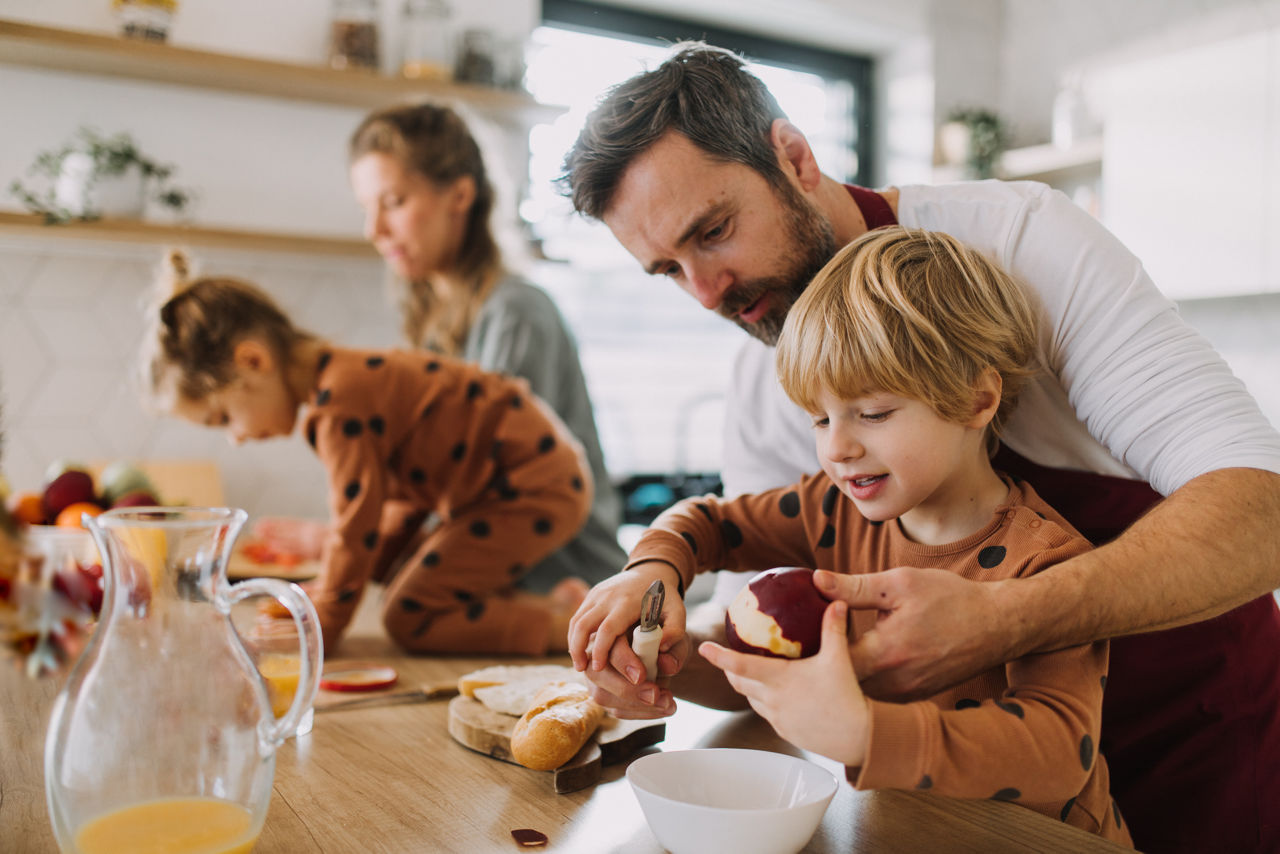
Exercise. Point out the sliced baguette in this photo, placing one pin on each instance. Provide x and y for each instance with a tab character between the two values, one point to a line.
560	720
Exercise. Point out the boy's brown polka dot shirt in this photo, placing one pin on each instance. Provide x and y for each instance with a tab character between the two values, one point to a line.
1026	732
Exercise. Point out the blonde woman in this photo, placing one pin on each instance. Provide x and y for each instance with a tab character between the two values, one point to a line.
419	176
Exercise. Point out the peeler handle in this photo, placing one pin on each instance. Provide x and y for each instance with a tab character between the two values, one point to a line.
645	644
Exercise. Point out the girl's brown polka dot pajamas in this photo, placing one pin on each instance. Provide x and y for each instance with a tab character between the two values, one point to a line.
405	435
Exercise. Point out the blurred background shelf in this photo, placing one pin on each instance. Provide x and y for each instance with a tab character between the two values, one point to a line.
75	51
1047	163
1038	161
138	231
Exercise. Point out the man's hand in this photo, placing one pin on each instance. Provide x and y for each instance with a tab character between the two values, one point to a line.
621	687
814	703
933	629
600	646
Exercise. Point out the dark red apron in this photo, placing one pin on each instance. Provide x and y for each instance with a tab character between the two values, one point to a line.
1190	716
1190	722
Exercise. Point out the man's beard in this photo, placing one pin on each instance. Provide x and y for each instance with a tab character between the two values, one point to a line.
810	244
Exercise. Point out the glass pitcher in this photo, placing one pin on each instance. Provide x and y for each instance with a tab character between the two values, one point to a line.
163	738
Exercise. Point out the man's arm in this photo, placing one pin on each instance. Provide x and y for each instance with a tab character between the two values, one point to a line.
1212	545
1209	547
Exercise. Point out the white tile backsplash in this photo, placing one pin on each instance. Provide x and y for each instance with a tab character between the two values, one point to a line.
71	320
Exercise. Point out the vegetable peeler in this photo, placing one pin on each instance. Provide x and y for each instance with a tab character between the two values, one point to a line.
648	635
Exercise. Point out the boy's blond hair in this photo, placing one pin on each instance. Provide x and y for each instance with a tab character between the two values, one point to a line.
909	312
189	352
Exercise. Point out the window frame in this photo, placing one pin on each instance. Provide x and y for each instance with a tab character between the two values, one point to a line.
858	69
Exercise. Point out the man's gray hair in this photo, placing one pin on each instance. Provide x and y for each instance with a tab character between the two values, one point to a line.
704	93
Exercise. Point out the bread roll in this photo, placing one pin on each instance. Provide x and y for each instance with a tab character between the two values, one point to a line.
563	716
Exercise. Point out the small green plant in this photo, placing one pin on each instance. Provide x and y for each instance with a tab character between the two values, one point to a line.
988	139
111	156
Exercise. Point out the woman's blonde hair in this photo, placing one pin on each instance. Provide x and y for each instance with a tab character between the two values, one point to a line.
434	141
914	313
200	320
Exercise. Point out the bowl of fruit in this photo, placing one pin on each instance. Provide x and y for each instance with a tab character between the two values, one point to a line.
52	593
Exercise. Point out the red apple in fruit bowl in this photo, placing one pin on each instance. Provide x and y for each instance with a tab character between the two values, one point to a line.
137	498
73	486
778	614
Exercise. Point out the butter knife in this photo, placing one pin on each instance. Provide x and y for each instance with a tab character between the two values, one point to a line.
420	694
648	634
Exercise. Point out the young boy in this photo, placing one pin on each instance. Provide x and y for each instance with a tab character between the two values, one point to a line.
908	350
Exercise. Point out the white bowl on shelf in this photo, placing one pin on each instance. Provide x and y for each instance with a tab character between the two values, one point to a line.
726	799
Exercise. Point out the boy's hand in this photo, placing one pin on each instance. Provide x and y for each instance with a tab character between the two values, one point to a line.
600	643
815	703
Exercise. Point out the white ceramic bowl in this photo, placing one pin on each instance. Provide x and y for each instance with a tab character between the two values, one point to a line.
724	799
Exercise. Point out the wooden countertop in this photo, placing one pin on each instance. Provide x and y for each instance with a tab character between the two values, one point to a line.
390	779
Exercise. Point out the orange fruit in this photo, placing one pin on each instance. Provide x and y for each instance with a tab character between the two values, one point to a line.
27	507
70	515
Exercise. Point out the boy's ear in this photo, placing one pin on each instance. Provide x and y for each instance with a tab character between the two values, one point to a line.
794	152
252	356
986	398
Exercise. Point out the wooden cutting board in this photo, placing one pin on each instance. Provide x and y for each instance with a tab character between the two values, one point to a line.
474	725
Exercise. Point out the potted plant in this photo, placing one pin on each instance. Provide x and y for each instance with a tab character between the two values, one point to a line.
94	176
977	137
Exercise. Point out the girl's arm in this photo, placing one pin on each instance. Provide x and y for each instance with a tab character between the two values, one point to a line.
357	489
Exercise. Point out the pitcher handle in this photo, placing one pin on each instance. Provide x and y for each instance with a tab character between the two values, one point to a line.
309	641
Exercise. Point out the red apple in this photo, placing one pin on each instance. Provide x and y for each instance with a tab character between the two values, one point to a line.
70	487
136	498
778	614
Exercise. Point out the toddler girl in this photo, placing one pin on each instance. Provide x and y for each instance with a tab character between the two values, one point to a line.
402	435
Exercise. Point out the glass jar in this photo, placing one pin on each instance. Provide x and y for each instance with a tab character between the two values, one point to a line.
428	40
476	58
353	39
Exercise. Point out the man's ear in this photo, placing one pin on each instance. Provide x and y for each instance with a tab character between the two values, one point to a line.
794	154
253	357
986	398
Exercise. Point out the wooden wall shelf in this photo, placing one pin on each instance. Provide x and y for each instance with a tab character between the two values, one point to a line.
1039	160
1037	163
137	231
134	59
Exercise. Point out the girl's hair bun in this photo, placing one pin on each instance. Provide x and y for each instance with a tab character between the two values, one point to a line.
175	273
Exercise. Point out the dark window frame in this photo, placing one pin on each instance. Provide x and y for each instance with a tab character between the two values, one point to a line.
585	16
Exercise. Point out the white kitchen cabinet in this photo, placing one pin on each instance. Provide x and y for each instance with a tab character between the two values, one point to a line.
1191	163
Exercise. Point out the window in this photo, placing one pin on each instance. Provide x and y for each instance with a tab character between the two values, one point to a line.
656	362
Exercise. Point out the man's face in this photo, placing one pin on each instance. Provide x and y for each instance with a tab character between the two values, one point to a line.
738	245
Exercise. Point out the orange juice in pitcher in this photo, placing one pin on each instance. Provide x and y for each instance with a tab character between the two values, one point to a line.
171	826
281	673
